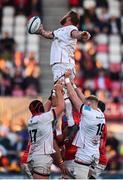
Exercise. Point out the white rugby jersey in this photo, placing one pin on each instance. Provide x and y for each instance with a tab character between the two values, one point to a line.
41	134
88	137
63	45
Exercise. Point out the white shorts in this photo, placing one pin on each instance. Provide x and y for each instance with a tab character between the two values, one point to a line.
41	164
59	69
97	170
80	171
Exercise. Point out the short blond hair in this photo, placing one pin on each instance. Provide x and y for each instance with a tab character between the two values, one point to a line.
92	98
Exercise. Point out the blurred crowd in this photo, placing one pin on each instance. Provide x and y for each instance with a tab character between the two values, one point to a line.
99	61
12	144
114	153
19	76
26	7
19	71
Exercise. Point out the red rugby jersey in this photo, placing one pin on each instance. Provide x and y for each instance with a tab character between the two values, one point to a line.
70	150
102	148
25	155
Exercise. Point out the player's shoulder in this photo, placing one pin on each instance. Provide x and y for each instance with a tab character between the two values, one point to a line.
33	120
47	114
71	27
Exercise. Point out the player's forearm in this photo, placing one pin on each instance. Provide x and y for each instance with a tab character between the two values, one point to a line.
80	94
60	99
47	105
73	96
45	34
57	155
81	35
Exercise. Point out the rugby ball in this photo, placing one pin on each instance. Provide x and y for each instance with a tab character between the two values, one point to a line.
33	24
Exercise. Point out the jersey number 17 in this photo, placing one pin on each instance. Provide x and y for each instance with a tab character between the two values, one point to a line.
32	134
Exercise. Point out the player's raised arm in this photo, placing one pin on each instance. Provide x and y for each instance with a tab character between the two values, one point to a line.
48	103
80	35
60	99
72	93
45	34
79	92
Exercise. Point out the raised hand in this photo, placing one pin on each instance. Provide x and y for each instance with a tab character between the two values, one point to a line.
85	35
68	73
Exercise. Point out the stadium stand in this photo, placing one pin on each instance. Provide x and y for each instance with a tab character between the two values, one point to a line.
99	66
19	51
19	77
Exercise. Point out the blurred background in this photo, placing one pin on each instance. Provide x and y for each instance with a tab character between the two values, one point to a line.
25	73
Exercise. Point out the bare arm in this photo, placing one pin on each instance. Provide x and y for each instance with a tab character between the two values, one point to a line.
79	93
60	100
80	35
57	155
45	34
47	105
58	159
73	95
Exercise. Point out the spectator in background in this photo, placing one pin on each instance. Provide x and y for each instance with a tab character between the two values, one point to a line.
8	46
74	3
18	78
28	7
114	25
102	3
112	141
17	91
31	74
102	81
8	2
90	11
103	21
1	8
35	8
4	141
88	25
112	148
114	163
31	90
4	163
5	88
87	62
22	7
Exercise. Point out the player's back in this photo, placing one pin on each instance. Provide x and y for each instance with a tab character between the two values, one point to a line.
40	134
88	137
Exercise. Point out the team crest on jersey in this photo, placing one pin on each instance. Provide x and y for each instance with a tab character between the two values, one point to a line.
88	108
